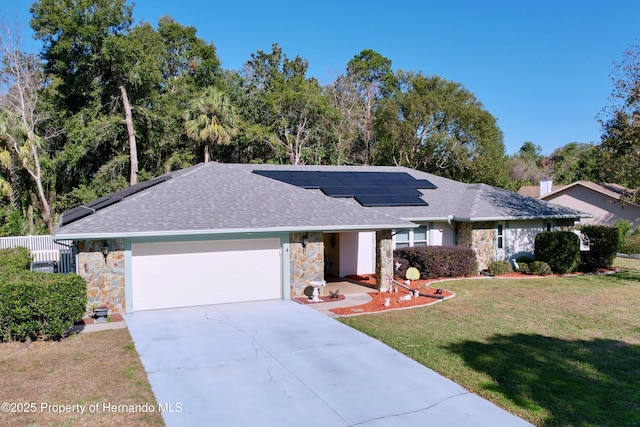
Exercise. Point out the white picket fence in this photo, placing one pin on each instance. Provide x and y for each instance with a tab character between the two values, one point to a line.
44	249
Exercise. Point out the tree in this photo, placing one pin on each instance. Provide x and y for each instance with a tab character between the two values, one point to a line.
370	75
86	48
286	102
21	116
347	120
211	119
526	167
575	162
530	152
438	126
620	142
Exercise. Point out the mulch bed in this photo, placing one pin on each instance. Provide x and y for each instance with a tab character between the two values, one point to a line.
113	318
397	299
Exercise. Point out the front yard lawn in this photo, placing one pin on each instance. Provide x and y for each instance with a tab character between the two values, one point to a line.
98	373
554	351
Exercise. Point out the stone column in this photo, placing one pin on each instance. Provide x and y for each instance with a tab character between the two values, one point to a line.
384	258
105	277
306	262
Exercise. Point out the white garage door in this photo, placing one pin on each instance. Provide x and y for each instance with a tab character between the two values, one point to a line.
181	274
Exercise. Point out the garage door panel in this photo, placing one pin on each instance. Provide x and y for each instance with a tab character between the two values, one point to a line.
193	273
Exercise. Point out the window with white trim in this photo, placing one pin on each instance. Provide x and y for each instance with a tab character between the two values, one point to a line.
413	237
402	239
500	236
420	235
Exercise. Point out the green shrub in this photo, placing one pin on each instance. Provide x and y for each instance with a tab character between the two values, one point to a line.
631	245
14	259
40	305
603	244
439	261
523	263
523	267
559	249
540	268
496	268
624	231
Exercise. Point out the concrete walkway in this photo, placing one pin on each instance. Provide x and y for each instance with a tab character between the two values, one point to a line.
279	363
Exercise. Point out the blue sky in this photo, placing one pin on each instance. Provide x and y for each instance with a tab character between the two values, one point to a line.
540	67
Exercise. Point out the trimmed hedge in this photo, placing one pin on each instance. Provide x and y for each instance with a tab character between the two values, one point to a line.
603	244
14	259
40	305
539	268
496	268
438	261
559	249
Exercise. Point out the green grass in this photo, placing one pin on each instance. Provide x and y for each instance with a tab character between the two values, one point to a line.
555	351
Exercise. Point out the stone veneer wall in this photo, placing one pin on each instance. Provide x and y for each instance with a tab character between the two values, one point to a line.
484	245
480	239
307	264
105	280
384	258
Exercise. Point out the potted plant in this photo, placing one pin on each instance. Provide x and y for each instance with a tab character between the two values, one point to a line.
101	312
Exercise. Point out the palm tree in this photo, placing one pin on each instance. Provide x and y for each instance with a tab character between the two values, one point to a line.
211	119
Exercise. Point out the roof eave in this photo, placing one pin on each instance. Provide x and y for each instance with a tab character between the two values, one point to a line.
230	231
523	218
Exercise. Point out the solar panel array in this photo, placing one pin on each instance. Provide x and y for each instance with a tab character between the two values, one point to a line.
89	208
368	188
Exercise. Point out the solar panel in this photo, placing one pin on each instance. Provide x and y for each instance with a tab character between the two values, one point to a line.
424	184
89	208
401	191
370	188
339	191
104	203
74	215
378	200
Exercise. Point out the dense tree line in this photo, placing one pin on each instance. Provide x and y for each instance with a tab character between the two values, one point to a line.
109	102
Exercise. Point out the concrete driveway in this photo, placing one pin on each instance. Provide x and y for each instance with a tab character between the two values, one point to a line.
278	363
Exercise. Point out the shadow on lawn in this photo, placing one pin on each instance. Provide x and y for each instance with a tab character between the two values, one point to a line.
579	383
632	276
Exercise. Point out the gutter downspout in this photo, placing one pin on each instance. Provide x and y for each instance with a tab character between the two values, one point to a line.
449	221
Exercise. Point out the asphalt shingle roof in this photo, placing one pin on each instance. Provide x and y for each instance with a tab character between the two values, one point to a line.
229	198
219	198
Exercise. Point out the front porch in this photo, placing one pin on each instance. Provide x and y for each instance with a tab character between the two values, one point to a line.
316	256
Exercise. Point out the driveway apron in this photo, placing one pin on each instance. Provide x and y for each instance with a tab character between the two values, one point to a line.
278	363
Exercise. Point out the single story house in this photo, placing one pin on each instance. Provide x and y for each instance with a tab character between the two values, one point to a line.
217	233
603	201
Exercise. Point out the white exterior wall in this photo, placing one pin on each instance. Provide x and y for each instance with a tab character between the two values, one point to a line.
520	237
357	253
441	234
366	252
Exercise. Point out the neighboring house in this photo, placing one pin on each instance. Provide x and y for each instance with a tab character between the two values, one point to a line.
603	201
217	233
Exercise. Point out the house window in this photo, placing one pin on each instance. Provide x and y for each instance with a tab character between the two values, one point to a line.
548	226
415	237
402	239
420	236
500	237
